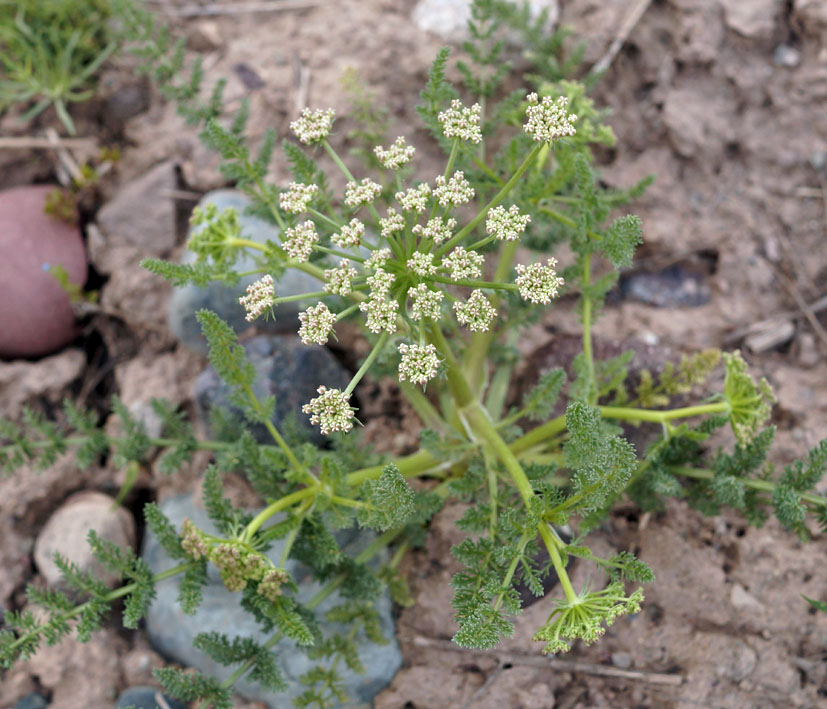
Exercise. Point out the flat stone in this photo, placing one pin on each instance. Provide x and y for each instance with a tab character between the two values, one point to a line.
142	213
171	631
673	287
753	18
67	529
35	311
285	369
449	18
146	698
223	299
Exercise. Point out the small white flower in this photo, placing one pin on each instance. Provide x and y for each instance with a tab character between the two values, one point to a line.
331	410
364	192
317	324
415	199
381	314
349	235
339	281
300	240
538	283
425	303
260	296
419	363
436	229
464	264
455	192
422	264
396	155
506	226
380	282
548	120
298	197
378	259
313	126
477	312
461	122
392	223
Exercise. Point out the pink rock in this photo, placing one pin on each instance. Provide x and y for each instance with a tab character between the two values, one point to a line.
36	317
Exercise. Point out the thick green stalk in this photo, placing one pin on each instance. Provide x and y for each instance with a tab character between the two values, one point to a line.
275	508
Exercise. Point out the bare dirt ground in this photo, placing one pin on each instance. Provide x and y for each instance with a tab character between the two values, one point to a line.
735	129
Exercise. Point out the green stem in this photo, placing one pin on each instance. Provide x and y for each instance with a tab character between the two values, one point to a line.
275	508
347	173
587	330
422	405
340	254
495	200
366	365
300	296
469	283
630	414
332	222
567	221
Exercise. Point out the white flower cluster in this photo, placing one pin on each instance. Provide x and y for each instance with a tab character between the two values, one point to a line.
378	258
331	410
477	312
461	122
260	296
538	283
297	197
300	240
349	235
422	264
339	281
455	192
391	223
425	303
548	120
419	363
380	282
464	264
361	193
436	229
316	324
415	199
397	155
381	313
313	125
506	225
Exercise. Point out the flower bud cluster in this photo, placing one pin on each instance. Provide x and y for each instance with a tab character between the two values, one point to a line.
422	264
476	313
357	194
331	411
419	363
506	225
378	258
298	197
380	282
300	240
397	155
416	198
261	295
425	303
237	566
192	541
548	120
381	313
461	122
436	229
339	281
313	125
456	191
349	235
316	324
464	264
391	223
271	585
538	283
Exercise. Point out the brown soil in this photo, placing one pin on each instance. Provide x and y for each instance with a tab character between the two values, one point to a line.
738	141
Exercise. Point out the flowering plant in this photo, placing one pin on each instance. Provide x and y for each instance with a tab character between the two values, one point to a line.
442	275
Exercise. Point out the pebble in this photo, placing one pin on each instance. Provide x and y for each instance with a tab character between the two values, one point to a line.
786	56
449	18
285	369
223	299
622	660
66	531
171	631
145	698
31	701
673	287
36	317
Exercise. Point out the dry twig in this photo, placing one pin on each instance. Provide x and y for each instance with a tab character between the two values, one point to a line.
622	35
238	8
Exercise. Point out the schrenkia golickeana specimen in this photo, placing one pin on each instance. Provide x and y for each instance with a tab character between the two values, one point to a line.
442	275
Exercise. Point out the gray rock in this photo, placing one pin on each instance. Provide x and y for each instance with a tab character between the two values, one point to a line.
223	299
449	18
285	369
31	701
673	287
171	631
144	698
142	213
786	56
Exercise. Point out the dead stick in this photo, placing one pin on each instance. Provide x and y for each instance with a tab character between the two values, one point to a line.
793	290
622	35
28	143
556	664
242	8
